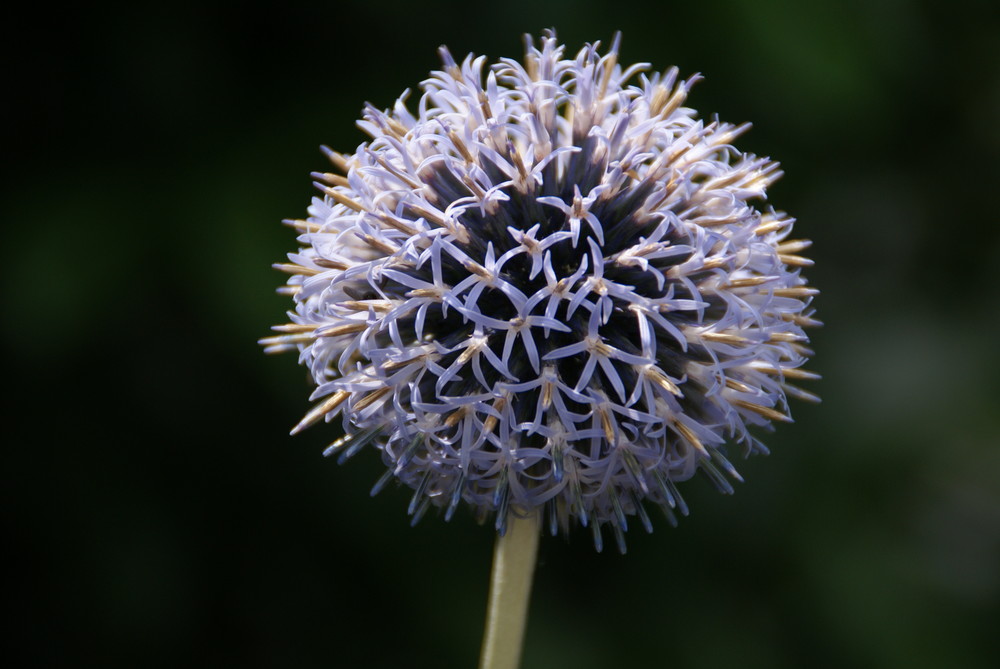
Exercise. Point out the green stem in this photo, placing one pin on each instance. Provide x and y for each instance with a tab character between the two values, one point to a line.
510	590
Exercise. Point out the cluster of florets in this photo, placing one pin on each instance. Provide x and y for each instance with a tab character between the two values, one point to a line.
547	291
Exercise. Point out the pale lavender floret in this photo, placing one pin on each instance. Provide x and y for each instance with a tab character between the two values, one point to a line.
548	290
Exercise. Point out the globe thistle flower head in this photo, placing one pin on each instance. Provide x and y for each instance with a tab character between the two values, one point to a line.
548	287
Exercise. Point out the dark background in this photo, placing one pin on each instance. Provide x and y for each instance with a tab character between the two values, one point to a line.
158	513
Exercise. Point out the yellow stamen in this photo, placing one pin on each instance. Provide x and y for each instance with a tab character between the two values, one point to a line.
380	245
795	261
793	246
341	198
295	327
766	412
321	409
330	264
292	268
346	328
724	338
371	398
798	291
689	436
304	226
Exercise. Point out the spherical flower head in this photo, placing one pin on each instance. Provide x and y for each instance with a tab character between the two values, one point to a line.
549	288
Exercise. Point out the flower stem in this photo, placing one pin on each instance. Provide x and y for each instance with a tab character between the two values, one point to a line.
510	589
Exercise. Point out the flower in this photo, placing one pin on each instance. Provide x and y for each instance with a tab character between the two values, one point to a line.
547	289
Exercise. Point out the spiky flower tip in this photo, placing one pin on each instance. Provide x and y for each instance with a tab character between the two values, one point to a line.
547	290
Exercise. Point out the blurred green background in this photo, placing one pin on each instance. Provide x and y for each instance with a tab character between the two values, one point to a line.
160	516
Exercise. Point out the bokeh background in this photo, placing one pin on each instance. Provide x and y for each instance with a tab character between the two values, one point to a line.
159	515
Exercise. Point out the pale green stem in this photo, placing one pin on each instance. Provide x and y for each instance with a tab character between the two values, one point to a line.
510	590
